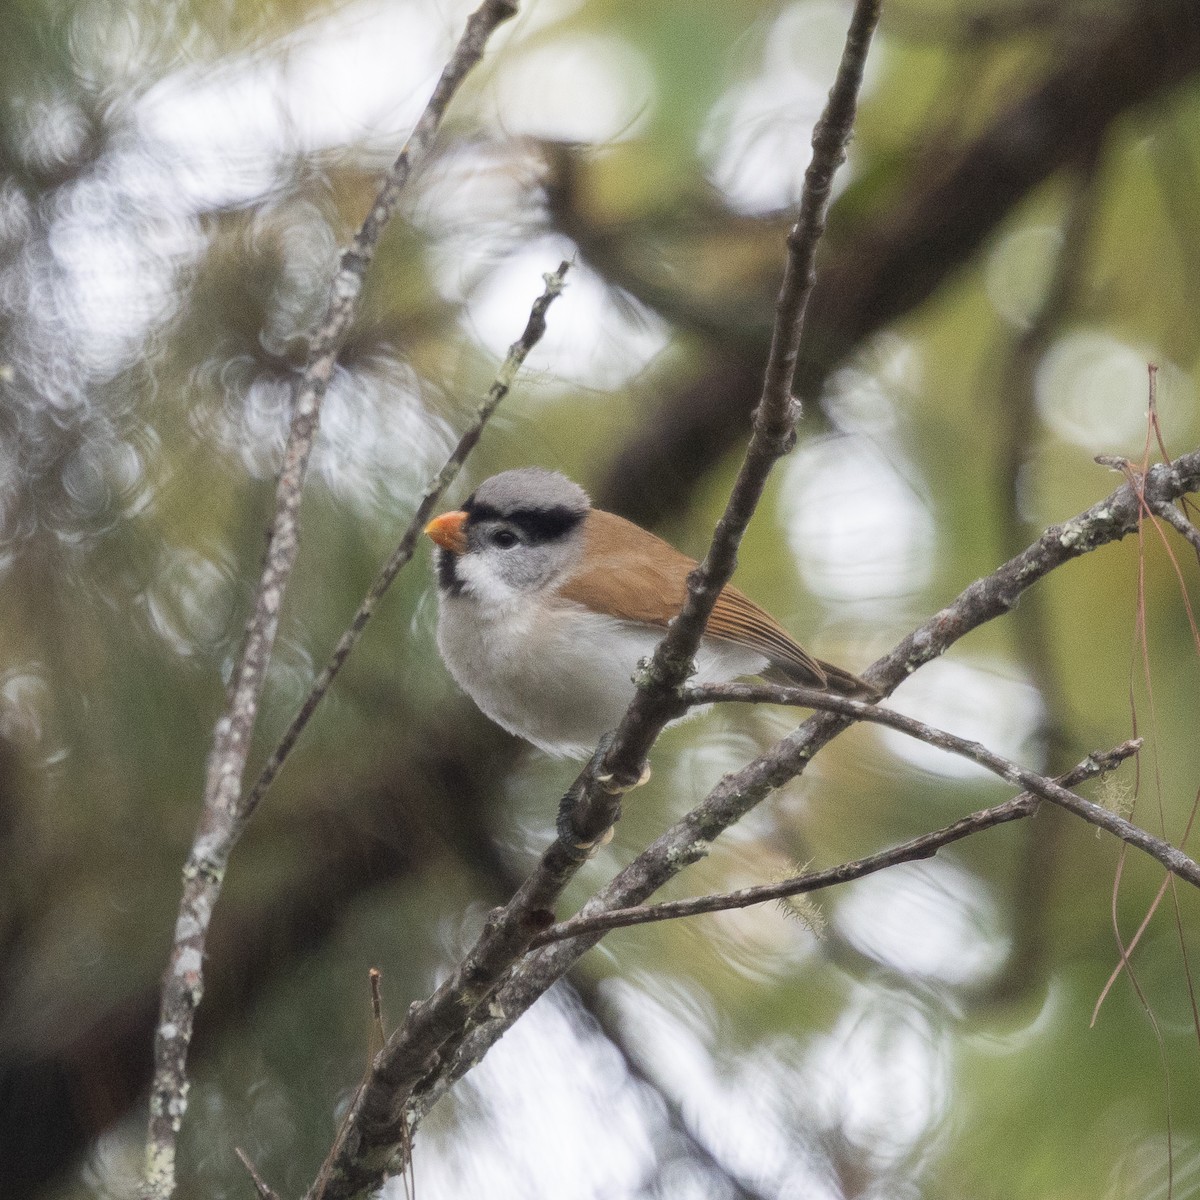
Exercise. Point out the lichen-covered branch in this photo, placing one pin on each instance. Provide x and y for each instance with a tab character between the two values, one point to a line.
223	814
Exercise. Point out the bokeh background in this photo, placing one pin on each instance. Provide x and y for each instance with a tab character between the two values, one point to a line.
1015	236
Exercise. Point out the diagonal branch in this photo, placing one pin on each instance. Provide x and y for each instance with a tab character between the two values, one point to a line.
992	596
370	1140
688	840
224	812
517	353
913	850
261	1186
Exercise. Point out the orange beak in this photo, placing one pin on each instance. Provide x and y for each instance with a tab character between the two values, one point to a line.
447	531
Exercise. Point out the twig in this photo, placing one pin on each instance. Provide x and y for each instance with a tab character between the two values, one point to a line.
925	846
435	1027
224	812
378	1028
261	1186
501	385
1173	517
1175	860
689	839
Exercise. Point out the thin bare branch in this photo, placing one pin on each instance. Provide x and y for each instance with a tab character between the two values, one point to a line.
261	1186
1175	860
224	811
913	850
501	385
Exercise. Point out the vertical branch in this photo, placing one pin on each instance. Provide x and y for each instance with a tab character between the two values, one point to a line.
1039	856
223	815
656	701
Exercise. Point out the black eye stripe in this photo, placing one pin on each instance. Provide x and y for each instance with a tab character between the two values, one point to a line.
535	524
542	524
479	512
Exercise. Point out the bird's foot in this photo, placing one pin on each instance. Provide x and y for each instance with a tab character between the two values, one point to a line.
569	835
596	845
609	784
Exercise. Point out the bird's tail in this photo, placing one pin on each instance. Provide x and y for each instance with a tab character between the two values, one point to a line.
846	683
837	680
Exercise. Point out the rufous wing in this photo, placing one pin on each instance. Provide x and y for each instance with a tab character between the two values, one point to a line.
634	576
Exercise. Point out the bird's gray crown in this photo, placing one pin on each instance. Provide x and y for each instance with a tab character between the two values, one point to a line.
528	489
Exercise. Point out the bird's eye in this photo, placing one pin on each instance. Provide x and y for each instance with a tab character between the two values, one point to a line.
503	538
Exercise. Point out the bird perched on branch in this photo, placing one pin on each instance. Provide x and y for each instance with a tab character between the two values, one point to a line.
547	605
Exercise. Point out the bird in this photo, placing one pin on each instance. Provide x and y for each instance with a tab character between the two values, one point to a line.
547	605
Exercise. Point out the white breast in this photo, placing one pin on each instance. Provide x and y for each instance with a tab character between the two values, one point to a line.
560	677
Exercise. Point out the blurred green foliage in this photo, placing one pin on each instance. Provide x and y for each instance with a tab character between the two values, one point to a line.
176	182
